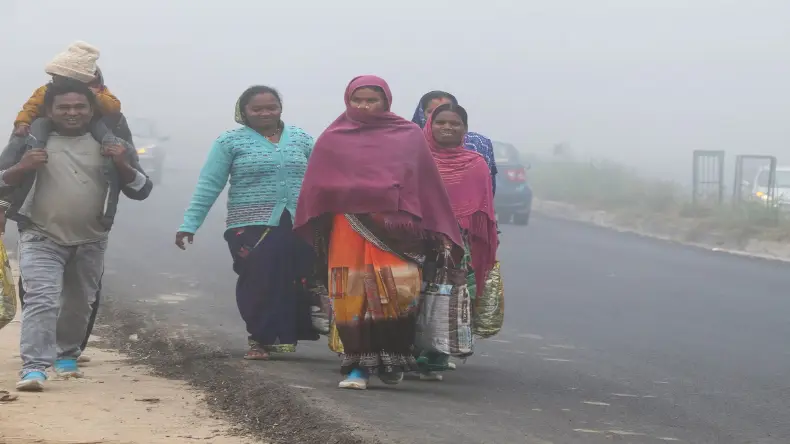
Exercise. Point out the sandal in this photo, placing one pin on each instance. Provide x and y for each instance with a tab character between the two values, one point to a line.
256	353
391	378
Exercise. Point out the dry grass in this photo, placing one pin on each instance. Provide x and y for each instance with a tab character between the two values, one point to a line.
638	201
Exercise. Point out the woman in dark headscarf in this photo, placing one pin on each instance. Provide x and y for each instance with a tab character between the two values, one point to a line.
472	141
374	206
467	179
264	160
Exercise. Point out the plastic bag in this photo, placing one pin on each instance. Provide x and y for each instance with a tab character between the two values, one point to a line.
444	320
7	289
335	344
489	307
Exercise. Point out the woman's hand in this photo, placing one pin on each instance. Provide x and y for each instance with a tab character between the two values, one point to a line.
181	235
398	224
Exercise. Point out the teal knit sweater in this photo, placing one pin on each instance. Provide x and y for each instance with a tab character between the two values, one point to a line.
265	178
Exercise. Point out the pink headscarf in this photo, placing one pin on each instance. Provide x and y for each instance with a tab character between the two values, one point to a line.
374	163
467	178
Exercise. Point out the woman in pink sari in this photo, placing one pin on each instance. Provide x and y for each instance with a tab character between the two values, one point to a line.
374	206
467	178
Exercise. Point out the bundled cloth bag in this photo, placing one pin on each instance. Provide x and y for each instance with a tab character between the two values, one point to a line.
7	290
489	306
320	308
444	320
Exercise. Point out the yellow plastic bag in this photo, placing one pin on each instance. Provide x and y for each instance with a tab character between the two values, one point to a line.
489	314
335	344
7	289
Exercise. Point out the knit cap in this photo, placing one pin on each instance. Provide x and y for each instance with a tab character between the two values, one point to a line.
77	62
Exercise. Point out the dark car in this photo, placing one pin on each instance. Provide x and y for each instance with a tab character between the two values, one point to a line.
150	147
513	199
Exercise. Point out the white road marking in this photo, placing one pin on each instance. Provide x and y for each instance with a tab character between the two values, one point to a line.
624	395
531	336
557	360
502	341
598	403
610	432
625	433
173	298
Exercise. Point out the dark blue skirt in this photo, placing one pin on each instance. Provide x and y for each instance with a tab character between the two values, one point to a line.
274	266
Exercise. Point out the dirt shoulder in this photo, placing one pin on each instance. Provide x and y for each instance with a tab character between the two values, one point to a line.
116	402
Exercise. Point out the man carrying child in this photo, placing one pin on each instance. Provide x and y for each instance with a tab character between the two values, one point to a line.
62	186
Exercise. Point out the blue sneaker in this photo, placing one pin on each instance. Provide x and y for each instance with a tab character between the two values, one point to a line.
67	368
356	380
32	382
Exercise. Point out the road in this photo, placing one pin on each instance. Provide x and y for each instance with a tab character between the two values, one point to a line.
608	337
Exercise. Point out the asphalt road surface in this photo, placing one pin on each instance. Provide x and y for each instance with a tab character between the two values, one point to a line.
608	337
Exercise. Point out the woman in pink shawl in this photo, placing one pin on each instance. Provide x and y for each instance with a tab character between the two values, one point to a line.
467	178
374	206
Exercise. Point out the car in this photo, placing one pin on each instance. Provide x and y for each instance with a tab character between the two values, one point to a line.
781	191
150	147
513	199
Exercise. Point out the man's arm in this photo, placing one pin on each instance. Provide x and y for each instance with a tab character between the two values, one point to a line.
8	158
9	172
31	160
12	153
136	184
12	176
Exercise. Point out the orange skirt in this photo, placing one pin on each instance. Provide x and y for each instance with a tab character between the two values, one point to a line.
374	297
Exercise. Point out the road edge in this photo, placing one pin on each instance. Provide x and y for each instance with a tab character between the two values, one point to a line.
565	211
268	409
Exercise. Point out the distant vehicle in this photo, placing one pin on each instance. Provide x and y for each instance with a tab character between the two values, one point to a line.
781	193
513	199
150	147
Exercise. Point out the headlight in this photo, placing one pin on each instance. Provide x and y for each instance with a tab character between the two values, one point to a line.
142	150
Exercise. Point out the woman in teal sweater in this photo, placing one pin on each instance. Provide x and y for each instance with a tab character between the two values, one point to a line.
265	161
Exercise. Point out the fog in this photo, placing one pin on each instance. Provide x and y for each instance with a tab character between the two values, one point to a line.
643	83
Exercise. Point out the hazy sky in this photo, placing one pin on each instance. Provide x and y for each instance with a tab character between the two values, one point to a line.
641	81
